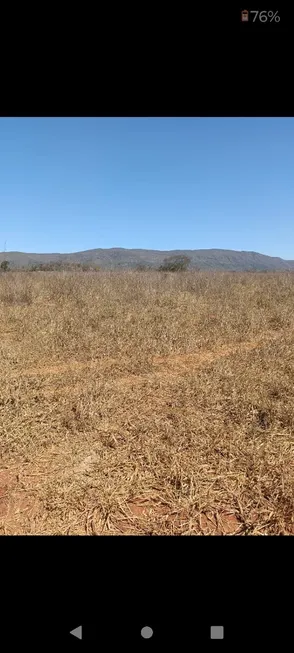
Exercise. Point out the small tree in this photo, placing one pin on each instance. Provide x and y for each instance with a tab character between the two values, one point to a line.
4	266
176	263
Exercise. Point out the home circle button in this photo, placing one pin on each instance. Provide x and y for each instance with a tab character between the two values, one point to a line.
146	632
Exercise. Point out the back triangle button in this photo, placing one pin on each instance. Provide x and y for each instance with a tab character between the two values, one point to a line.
77	632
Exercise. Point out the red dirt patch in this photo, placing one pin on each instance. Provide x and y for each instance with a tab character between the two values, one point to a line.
219	524
181	522
14	502
4	487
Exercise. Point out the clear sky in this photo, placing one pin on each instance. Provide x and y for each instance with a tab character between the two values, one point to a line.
71	184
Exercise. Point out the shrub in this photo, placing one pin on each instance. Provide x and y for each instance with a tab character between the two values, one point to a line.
4	266
177	263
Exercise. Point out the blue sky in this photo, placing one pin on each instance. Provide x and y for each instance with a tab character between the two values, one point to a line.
70	184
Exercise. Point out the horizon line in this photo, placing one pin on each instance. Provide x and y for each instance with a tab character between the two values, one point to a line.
133	249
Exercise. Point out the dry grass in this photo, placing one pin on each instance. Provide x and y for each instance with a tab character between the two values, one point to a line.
146	403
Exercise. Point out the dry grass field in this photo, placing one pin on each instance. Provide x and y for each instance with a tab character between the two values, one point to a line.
146	403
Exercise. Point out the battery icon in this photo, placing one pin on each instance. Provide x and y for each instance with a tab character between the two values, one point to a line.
244	16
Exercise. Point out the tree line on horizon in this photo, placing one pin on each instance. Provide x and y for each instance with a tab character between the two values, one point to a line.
176	263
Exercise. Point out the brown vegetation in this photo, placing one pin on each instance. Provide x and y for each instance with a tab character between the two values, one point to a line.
146	403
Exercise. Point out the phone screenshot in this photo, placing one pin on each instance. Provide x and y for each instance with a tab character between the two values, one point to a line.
146	351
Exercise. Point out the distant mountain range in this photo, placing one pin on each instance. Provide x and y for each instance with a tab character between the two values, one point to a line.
117	257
